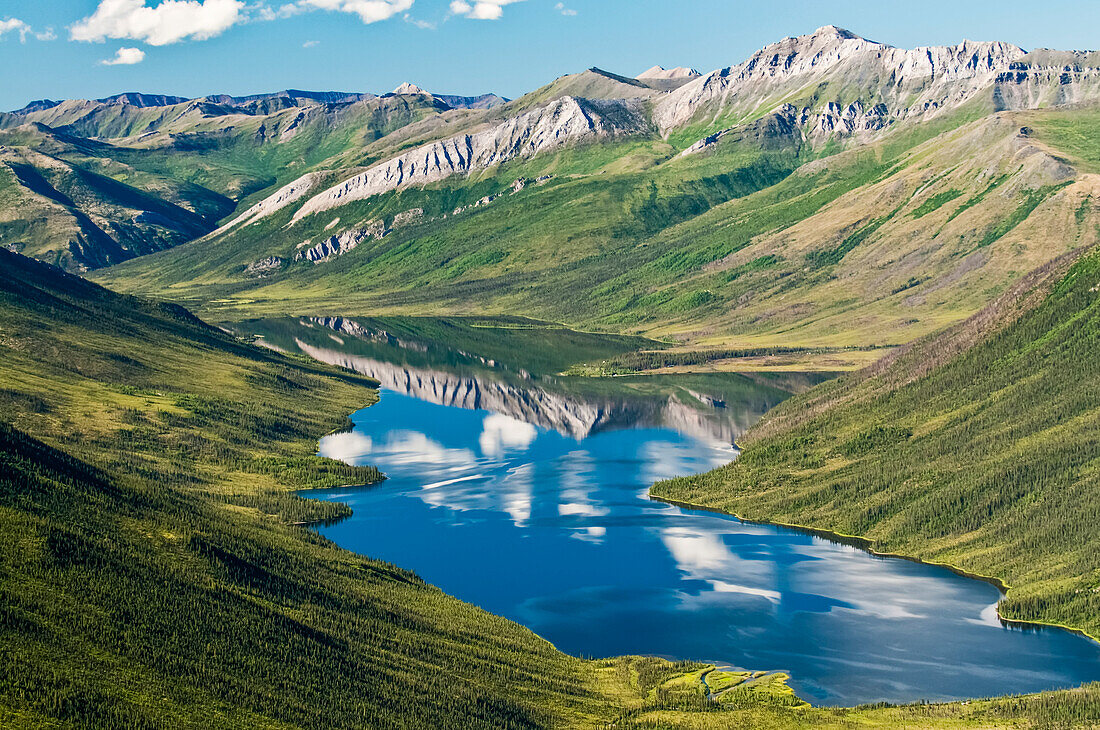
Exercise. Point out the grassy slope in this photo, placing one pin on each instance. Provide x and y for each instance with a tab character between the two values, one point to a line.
872	246
976	448
190	167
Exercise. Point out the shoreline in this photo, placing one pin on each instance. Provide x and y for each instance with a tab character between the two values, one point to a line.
862	543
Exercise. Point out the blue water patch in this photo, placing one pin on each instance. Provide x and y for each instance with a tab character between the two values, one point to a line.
537	510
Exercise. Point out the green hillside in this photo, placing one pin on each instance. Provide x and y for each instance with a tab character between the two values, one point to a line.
831	201
153	574
748	245
975	448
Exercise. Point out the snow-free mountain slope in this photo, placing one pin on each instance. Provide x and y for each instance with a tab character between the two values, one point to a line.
565	121
828	190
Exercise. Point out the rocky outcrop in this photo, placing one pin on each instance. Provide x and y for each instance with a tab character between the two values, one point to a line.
1048	78
263	267
563	122
407	217
852	119
888	83
341	243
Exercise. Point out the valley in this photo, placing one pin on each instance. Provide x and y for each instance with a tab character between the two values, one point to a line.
759	397
804	206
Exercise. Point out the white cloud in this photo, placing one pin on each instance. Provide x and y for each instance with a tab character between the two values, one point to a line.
313	44
14	25
46	35
422	24
481	9
696	553
168	22
720	586
369	11
125	57
560	7
171	21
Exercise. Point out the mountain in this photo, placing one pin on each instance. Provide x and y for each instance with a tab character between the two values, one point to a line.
660	72
80	216
483	101
154	171
565	121
154	176
829	191
667	79
839	73
407	88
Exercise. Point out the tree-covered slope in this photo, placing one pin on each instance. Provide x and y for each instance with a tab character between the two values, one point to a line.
976	448
151	572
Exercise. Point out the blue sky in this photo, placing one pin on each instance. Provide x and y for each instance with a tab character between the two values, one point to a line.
57	49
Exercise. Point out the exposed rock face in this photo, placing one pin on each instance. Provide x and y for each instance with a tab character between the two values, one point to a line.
1048	78
407	88
852	119
264	267
273	203
406	217
565	121
890	83
341	243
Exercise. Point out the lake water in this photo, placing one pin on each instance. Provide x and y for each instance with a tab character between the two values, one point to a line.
528	497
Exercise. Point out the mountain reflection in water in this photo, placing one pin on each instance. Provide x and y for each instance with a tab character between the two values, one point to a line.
526	494
448	376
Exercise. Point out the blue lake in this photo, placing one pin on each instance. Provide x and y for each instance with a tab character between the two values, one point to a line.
530	500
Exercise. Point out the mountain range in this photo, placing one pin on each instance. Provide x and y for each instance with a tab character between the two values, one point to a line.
829	191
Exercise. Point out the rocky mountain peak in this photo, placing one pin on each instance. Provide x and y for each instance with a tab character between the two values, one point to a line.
834	31
407	88
900	83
